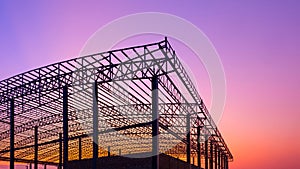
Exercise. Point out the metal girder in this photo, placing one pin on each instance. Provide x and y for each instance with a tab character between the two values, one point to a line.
124	80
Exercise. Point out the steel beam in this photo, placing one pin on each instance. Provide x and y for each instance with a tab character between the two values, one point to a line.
35	147
211	155
95	126
79	149
222	161
108	151
12	134
219	159
65	126
198	147
226	163
155	124
216	156
188	137
206	151
60	151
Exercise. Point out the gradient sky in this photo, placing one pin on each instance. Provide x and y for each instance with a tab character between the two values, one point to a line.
258	43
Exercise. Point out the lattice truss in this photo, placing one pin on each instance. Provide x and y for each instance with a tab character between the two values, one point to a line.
124	102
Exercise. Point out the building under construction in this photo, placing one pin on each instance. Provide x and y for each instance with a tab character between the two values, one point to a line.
128	108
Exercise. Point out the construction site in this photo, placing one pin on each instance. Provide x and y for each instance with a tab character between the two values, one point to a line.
129	108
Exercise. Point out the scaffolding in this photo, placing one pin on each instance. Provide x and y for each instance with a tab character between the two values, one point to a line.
137	101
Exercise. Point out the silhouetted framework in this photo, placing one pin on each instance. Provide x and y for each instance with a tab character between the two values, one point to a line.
132	101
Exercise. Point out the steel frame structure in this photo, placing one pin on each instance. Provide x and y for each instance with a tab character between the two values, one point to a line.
126	101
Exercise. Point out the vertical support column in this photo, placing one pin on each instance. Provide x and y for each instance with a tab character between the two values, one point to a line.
79	149
108	151
219	159
226	163
188	138
12	134
222	161
211	155
45	166
206	151
65	126
35	147
95	126
198	147
155	124
216	156
60	151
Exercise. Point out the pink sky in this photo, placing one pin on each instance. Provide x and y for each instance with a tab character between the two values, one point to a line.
258	43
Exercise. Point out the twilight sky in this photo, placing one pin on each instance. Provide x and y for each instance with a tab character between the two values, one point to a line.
257	41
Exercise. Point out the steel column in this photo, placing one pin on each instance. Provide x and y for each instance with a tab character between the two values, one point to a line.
219	159
60	151
108	151
45	166
155	124
226	160
198	147
65	126
188	138
95	125
12	134
35	147
206	152
216	156
79	149
222	161
211	155
227	163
